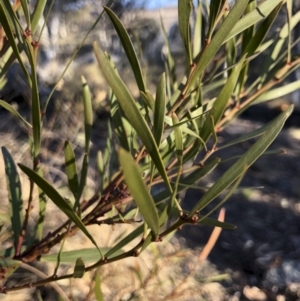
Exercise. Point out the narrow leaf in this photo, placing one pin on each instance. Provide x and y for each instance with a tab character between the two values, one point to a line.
14	193
9	108
37	13
71	169
222	100
159	111
278	92
88	113
97	290
218	39
42	210
89	255
129	49
255	16
139	190
131	110
238	168
184	12
58	200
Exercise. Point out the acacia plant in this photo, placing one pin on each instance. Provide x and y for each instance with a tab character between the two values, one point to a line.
167	140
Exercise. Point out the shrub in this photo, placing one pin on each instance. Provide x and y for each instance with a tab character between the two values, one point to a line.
167	143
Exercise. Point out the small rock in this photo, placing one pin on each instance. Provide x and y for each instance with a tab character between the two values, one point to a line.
254	293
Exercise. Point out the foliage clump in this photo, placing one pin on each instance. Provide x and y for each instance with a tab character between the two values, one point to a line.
167	142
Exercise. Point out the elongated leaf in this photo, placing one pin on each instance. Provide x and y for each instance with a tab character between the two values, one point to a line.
117	116
238	168
58	200
216	42
89	255
88	113
71	169
42	210
26	12
79	268
139	190
8	22
169	59
278	92
9	108
35	111
14	194
222	100
148	100
184	13
197	39
129	49
178	139
261	12
37	13
251	135
160	109
131	110
97	290
83	176
215	12
262	31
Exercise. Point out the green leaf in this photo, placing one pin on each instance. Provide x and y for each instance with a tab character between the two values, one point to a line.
117	117
131	110
97	289
218	39
216	10
148	100
88	255
79	268
170	63
262	31
58	200
83	175
208	221
42	210
88	113
278	92
37	13
71	169
129	49
25	8
221	101
139	190
14	193
184	12
160	109
197	41
11	27
35	112
255	16
238	168
9	108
